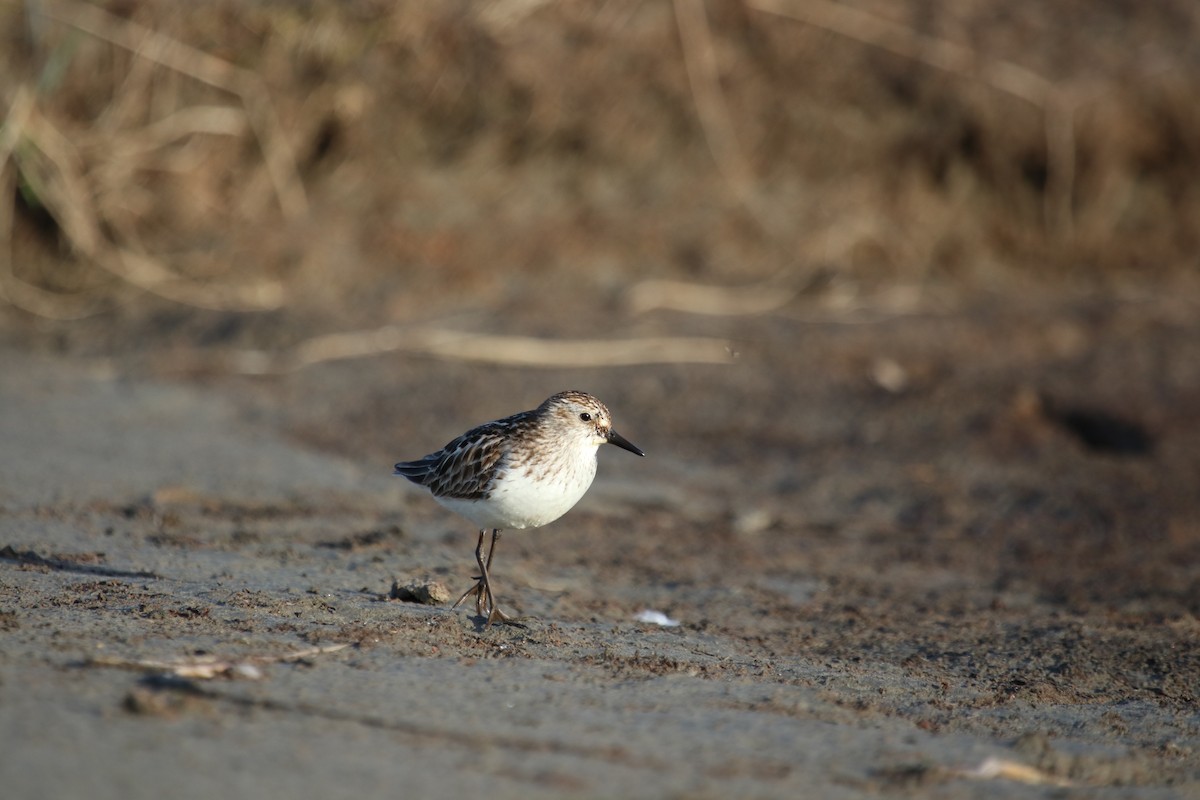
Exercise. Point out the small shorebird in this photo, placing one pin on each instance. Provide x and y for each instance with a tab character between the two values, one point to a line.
522	471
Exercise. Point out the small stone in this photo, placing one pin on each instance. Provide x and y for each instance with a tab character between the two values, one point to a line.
751	521
889	375
430	593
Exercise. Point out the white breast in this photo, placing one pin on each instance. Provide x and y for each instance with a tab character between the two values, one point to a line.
531	497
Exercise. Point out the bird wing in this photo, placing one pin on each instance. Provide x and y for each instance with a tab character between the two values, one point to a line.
465	468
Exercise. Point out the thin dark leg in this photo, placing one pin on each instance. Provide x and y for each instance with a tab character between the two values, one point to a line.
485	602
485	596
492	548
494	613
477	589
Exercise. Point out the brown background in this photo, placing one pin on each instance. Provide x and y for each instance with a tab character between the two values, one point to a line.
900	299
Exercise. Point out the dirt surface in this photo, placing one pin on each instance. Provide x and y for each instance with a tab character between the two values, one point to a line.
877	590
901	301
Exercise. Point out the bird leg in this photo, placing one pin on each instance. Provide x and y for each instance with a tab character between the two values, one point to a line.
477	589
485	603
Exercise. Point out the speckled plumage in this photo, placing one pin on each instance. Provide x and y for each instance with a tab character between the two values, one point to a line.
522	471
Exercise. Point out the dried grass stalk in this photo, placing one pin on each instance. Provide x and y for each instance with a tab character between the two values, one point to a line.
85	180
521	351
1058	104
206	68
695	298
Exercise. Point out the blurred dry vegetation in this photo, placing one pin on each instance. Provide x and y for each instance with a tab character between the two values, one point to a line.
331	165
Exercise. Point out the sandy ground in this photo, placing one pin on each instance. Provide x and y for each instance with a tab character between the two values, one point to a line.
931	528
903	562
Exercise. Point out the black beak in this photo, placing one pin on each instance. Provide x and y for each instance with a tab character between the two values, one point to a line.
623	443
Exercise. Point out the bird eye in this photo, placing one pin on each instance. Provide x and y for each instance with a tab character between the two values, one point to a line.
586	417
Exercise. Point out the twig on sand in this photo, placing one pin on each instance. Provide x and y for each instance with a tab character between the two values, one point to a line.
522	351
993	767
695	298
207	667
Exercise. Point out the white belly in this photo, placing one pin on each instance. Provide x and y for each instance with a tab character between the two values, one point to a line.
520	501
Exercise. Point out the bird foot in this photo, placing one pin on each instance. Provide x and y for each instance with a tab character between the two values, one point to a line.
485	606
496	615
478	590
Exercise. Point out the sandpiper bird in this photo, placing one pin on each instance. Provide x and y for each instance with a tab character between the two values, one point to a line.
522	471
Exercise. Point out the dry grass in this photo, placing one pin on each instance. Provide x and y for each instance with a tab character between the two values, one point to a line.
378	160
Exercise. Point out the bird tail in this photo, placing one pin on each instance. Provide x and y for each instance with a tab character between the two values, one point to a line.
415	471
